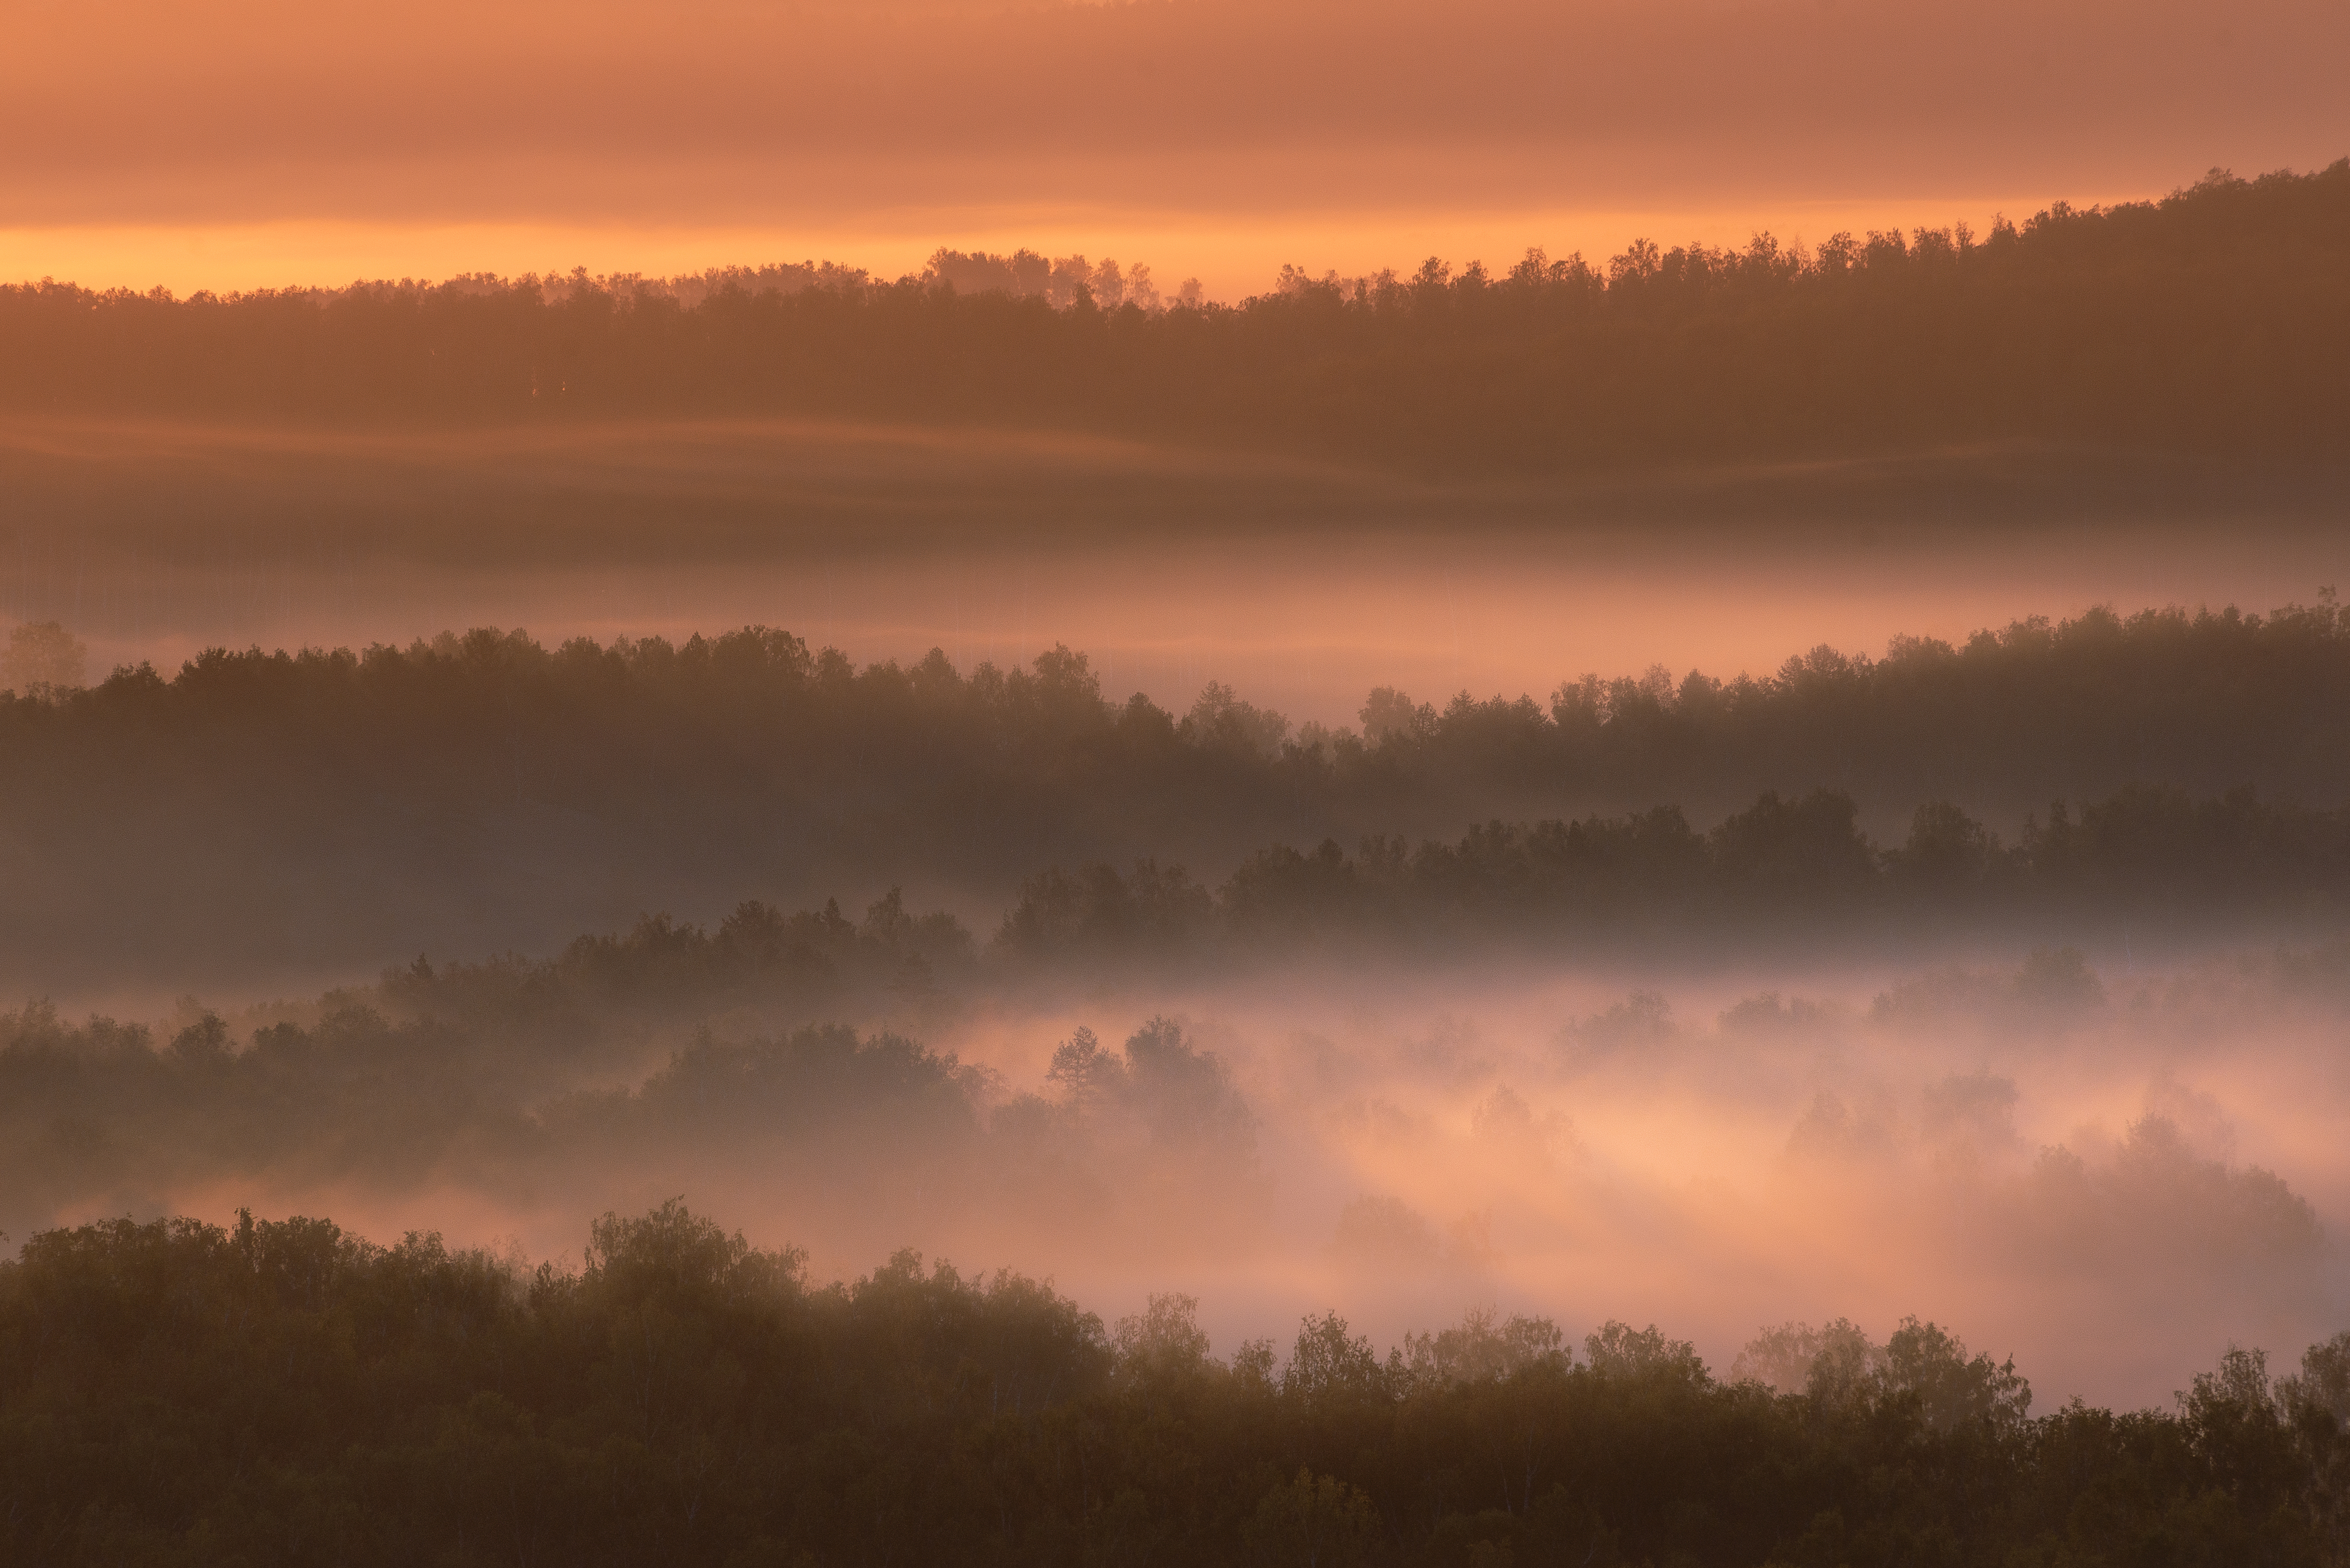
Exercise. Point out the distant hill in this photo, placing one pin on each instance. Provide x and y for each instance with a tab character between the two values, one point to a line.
2213	323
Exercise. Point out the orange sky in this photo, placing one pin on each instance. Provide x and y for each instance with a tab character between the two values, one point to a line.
266	143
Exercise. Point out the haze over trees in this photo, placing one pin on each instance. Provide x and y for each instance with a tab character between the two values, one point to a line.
1795	869
779	1059
240	801
277	1386
2209	323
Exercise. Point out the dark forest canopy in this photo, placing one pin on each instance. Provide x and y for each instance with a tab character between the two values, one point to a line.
2206	700
284	1392
1790	871
2214	321
487	767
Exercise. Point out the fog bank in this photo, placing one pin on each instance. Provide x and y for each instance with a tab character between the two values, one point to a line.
2110	1175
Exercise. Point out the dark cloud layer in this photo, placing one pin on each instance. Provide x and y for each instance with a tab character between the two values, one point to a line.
127	113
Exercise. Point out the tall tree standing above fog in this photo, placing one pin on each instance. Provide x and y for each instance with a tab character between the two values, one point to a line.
42	658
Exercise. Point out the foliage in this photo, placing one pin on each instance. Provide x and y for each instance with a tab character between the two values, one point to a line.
1782	868
284	1392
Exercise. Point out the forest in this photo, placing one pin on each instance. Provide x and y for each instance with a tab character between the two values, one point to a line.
2010	719
2168	758
2209	324
764	1096
2168	762
285	1392
1614	884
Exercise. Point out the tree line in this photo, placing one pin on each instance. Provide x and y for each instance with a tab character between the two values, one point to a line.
2210	322
1783	870
2007	720
1791	867
488	788
285	1392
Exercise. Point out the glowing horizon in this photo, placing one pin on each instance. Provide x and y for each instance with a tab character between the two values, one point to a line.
1231	259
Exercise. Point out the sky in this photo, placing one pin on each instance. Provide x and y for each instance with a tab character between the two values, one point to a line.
265	143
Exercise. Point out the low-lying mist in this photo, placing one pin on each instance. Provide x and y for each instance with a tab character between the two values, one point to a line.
1301	583
1675	1032
2109	1173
